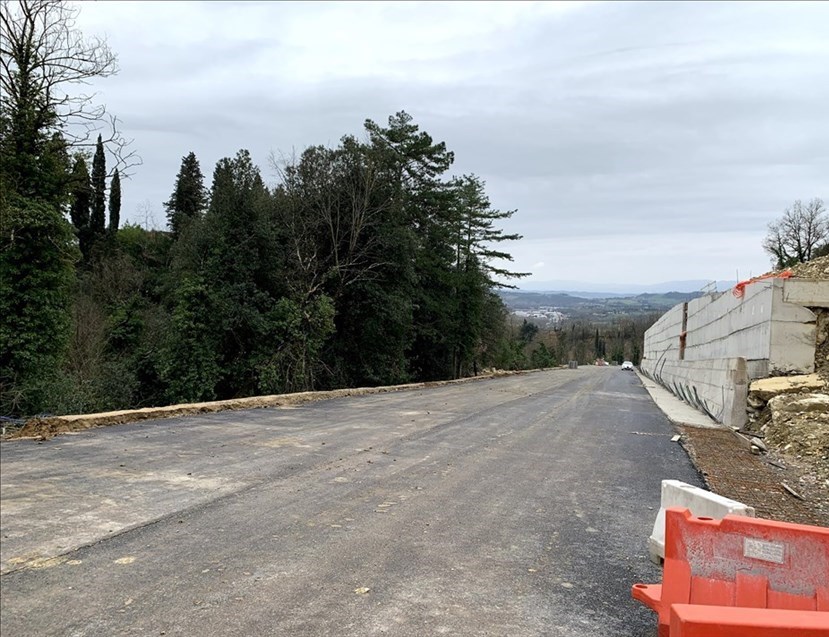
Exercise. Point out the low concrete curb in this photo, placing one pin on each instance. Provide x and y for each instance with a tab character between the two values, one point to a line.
54	425
677	411
717	387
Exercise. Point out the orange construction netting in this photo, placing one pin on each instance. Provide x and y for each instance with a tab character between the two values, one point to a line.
740	289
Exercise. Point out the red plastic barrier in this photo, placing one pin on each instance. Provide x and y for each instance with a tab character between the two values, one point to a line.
739	562
693	620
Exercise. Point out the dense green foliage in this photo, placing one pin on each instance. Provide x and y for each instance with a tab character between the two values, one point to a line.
365	264
36	274
81	202
583	341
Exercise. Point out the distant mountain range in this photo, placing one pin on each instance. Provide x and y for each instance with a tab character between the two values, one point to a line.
610	290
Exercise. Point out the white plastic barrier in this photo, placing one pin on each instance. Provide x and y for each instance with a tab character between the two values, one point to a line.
699	501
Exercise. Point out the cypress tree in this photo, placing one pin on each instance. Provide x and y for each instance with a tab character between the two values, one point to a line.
189	198
98	217
81	195
81	200
115	202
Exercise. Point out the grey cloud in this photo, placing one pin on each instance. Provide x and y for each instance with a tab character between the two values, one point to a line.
653	119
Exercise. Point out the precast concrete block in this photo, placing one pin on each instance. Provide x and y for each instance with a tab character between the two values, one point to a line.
700	502
808	293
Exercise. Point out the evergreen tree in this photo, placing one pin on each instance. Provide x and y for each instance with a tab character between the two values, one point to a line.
471	225
418	255
80	203
189	198
97	217
115	202
233	255
81	195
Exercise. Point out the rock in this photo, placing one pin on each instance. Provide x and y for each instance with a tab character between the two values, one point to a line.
755	402
799	424
810	403
765	389
759	443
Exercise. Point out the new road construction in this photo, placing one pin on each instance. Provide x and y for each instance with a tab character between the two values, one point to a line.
519	505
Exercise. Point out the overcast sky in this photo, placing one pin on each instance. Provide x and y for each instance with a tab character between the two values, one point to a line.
639	142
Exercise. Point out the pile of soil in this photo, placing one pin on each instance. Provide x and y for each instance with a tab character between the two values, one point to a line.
814	269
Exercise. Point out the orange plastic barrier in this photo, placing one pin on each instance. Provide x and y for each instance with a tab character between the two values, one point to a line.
689	620
739	562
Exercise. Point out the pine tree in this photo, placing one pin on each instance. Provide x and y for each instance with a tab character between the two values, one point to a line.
97	218
415	246
189	198
115	202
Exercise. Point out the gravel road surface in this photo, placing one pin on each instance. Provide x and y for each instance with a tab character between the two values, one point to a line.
511	506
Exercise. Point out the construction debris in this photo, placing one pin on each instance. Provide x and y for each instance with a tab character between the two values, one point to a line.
791	491
756	442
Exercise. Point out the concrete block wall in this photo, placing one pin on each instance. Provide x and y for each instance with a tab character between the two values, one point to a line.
731	339
662	339
730	327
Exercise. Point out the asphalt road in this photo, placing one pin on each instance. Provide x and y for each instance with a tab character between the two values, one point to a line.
513	506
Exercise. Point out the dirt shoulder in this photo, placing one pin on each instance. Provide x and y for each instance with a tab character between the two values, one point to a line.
729	468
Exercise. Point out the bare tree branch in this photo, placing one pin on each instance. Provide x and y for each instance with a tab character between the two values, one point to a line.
43	56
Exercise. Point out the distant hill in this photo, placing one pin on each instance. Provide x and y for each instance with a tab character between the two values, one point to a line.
549	307
515	299
520	299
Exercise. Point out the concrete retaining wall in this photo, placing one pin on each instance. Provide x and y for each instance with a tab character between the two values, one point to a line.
728	340
718	387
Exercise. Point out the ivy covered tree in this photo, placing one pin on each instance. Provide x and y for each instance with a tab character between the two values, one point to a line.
41	56
36	276
189	198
